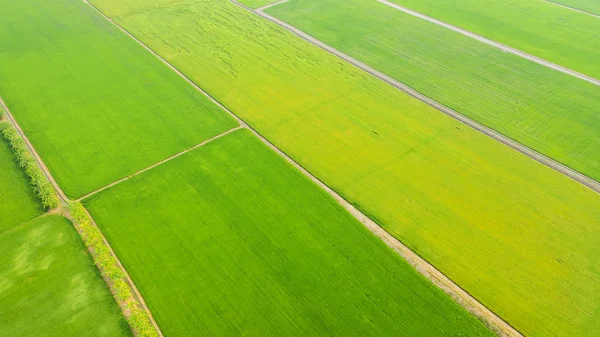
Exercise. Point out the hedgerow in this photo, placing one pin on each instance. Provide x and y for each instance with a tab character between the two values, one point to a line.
106	262
42	187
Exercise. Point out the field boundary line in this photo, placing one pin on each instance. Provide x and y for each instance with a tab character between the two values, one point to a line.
493	43
436	277
543	159
160	163
36	156
571	8
262	8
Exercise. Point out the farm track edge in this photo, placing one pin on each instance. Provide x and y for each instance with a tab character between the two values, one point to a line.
543	159
493	43
463	298
572	9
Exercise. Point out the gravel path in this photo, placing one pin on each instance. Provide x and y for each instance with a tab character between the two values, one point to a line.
495	44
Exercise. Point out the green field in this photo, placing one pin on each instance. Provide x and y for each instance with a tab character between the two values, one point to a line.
49	285
18	202
550	32
96	105
257	3
548	111
517	235
589	6
229	239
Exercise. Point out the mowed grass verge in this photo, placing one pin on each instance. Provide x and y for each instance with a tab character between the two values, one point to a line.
520	237
18	202
95	104
229	239
49	285
539	28
548	111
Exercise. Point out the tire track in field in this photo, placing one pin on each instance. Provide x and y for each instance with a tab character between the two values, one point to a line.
569	8
495	44
490	319
561	168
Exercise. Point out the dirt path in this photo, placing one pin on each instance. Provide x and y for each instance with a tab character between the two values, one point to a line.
159	163
38	159
435	276
495	44
270	5
569	172
569	8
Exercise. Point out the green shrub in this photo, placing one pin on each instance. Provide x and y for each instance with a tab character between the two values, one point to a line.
42	187
137	317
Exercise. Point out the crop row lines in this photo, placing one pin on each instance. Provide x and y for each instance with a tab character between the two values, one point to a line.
561	168
440	280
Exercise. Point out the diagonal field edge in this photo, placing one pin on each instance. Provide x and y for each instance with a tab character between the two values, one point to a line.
36	156
435	276
543	159
569	8
160	162
495	44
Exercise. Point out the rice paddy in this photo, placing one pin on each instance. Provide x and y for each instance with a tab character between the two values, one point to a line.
536	27
525	101
96	105
50	287
588	6
229	239
223	236
488	217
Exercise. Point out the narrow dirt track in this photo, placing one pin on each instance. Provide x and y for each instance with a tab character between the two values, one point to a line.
495	44
494	322
567	171
159	163
569	8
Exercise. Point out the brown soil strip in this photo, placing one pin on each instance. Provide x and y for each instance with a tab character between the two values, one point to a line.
159	163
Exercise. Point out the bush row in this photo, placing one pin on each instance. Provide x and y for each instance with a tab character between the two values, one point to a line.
107	263
42	187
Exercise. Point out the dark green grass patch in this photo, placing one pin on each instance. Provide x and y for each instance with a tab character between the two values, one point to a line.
95	104
50	287
18	202
548	111
229	239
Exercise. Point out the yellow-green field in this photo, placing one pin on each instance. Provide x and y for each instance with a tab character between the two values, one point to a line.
517	235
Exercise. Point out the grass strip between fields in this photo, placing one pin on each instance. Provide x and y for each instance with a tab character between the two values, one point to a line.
114	274
41	185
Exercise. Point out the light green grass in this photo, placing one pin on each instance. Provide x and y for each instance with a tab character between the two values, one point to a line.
550	112
550	32
520	237
229	239
257	3
18	202
49	285
94	103
589	6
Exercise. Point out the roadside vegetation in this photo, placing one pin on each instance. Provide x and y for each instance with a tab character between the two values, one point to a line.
41	186
49	286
